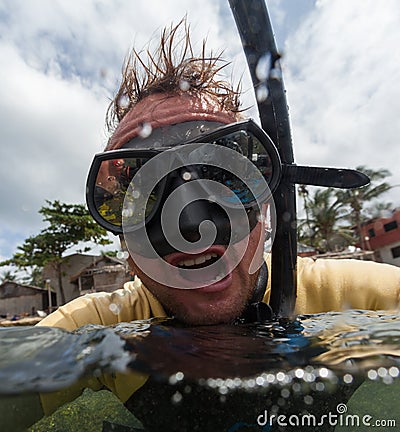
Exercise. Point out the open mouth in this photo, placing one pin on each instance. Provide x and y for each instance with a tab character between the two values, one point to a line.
199	262
207	267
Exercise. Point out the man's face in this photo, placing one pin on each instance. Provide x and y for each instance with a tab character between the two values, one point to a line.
215	302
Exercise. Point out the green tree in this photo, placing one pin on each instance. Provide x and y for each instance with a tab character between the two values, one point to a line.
323	228
357	200
68	225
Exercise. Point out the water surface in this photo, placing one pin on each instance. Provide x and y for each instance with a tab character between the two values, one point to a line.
226	377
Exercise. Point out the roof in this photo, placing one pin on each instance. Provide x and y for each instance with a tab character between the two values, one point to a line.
116	265
22	285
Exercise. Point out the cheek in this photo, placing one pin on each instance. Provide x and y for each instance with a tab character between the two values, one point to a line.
253	257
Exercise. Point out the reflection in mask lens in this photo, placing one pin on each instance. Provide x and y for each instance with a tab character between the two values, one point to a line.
112	183
249	148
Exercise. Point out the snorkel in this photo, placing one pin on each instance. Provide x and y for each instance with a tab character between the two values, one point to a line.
255	29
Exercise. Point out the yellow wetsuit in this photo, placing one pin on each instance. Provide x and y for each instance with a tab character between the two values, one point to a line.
323	285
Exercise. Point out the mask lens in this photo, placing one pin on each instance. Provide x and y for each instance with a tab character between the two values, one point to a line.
251	183
113	183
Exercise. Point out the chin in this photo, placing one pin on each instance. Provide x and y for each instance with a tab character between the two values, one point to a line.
208	319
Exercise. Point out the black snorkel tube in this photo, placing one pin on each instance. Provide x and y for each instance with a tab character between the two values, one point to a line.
255	29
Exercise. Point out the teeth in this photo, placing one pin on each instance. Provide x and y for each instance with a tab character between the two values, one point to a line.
199	260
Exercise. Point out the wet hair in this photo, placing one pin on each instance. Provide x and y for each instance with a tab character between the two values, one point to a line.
172	68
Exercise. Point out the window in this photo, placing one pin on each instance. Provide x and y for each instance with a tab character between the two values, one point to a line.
390	226
371	233
396	252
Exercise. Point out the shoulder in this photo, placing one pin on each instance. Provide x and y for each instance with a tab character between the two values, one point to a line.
330	284
132	302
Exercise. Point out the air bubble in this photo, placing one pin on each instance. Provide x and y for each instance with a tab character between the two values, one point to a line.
308	400
285	393
309	377
296	387
387	379
323	372
232	383
372	374
260	381
237	382
211	383
348	378
382	372
280	376
281	402
270	378
394	372
251	383
176	398
223	390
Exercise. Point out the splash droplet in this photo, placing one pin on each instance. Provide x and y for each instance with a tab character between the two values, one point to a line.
145	130
184	85
114	308
262	93
263	66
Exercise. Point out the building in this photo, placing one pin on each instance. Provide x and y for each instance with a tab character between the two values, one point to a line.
103	274
382	235
19	299
82	273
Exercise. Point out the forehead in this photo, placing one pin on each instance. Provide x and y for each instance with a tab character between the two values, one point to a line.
171	135
159	111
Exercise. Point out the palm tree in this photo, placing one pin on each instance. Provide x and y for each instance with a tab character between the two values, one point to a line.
321	228
357	198
8	276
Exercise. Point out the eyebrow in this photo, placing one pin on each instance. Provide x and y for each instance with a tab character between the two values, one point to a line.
172	135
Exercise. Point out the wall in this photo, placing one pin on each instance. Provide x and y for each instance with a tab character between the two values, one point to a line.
19	305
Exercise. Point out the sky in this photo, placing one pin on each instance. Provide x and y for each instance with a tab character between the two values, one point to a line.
61	62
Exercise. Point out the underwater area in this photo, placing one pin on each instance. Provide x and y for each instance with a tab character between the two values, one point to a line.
324	372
